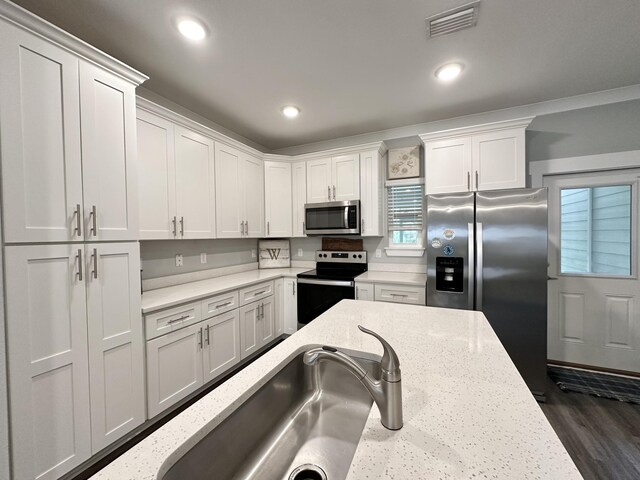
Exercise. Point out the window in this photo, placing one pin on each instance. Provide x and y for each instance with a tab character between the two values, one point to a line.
404	215
595	230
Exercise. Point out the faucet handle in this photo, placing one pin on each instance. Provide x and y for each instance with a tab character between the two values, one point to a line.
390	363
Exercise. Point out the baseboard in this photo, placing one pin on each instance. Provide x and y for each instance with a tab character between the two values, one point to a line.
592	368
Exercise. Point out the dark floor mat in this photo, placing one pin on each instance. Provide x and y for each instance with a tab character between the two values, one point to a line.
623	389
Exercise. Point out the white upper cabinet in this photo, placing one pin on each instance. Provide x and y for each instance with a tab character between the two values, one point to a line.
485	157
195	198
40	147
68	144
372	165
107	112
157	185
239	193
277	199
299	197
333	179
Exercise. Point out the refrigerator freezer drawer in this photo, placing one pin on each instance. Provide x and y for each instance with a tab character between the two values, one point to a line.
399	294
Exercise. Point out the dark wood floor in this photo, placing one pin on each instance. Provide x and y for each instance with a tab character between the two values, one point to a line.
601	435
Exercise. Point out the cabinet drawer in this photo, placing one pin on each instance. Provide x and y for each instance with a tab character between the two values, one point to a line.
399	294
170	320
219	304
255	292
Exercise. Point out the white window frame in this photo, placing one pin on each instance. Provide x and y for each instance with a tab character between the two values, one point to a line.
400	250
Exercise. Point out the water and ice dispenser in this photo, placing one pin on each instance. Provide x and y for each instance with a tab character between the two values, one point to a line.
450	274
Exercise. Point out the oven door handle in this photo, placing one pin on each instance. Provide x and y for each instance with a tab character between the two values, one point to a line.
331	283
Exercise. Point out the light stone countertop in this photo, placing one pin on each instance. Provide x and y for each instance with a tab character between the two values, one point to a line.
398	278
169	296
467	412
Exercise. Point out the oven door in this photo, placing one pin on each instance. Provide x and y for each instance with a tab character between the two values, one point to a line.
317	296
331	218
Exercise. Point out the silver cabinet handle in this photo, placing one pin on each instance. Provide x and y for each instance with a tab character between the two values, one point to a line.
399	295
259	293
303	227
95	263
94	221
293	284
222	305
329	192
246	228
80	266
357	296
182	226
469	181
174	223
476	179
267	228
334	192
179	319
207	337
200	338
242	228
362	225
262	311
78	215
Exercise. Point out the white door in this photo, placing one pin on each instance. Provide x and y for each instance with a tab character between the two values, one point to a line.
370	194
319	181
249	329
290	306
278	308
364	291
345	173
448	165
277	196
156	177
174	367
594	291
267	321
229	193
116	343
109	171
221	344
195	197
498	160
48	359
40	139
253	188
299	197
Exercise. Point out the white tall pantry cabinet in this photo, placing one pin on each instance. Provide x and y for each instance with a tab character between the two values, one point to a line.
74	332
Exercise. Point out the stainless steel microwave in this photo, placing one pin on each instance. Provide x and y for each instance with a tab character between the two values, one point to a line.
332	218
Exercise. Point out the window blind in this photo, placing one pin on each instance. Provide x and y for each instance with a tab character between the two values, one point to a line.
404	207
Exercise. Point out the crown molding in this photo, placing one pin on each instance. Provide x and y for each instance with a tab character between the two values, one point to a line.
482	128
379	147
31	23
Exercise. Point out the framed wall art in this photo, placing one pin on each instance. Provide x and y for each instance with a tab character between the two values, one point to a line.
404	163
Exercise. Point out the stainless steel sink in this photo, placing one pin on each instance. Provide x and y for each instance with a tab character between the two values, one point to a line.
303	416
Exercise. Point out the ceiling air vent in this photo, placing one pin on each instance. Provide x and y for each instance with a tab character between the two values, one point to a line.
453	20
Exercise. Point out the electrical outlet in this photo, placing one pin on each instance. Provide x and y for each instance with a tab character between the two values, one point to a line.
203	258
179	260
300	252
378	253
253	253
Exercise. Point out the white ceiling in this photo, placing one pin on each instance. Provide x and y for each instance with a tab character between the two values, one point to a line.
356	66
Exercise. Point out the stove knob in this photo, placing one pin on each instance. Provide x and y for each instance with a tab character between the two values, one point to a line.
354	255
359	256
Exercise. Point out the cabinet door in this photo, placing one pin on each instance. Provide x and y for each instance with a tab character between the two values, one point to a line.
195	198
253	189
448	166
345	172
109	171
221	344
249	329
319	181
229	193
48	359
156	173
290	302
277	199
371	193
267	321
174	367
499	160
116	343
299	197
364	291
40	147
278	308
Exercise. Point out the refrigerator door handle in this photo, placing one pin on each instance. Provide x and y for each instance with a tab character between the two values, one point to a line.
479	266
472	262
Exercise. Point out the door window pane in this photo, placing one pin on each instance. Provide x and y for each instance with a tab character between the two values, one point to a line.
595	230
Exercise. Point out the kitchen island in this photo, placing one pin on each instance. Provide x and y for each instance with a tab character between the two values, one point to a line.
467	411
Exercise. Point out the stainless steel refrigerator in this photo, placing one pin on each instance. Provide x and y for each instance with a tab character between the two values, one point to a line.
487	251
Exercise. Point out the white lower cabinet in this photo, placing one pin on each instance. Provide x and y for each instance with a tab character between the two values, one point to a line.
74	350
256	325
222	344
290	306
394	293
279	306
364	291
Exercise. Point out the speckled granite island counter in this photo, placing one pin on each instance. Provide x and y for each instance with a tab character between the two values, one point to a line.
468	413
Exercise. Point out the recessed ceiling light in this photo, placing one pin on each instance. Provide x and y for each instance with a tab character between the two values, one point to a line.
192	29
448	72
290	111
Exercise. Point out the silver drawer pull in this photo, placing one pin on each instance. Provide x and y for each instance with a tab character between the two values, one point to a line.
179	319
399	295
259	293
223	304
